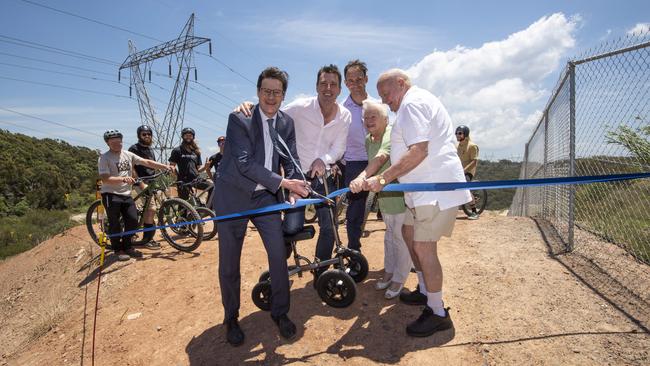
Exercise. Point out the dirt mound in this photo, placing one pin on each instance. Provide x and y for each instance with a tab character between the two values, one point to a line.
511	304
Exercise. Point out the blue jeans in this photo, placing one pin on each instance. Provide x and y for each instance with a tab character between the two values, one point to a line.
294	220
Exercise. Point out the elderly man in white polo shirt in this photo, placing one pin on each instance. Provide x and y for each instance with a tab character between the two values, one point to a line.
321	125
422	150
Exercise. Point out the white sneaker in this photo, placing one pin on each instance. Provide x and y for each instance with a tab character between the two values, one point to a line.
390	294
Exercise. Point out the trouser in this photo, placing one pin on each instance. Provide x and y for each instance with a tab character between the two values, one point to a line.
120	206
295	219
356	210
231	240
397	259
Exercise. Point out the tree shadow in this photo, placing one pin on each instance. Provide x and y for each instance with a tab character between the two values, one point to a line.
377	334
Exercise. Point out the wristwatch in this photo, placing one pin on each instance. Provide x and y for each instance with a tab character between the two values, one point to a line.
381	179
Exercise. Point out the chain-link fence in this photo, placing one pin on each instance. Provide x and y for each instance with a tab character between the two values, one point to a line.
597	122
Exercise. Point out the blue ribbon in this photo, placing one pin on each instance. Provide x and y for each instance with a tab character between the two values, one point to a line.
413	187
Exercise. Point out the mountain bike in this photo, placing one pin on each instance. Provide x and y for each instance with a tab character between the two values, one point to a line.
194	198
171	211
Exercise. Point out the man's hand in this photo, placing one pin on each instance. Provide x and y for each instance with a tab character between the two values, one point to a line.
246	108
293	197
357	185
128	180
317	168
296	186
372	184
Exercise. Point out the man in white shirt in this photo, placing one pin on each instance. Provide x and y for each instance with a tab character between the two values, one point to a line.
321	125
422	150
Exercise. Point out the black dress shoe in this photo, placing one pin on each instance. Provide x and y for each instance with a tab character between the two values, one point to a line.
234	334
286	326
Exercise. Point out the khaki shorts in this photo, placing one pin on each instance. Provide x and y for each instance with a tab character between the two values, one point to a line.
153	206
429	223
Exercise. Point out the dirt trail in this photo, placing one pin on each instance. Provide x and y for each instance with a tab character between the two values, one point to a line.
511	304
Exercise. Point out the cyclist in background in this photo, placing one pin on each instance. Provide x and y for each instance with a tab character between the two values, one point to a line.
116	171
468	154
143	149
187	159
213	162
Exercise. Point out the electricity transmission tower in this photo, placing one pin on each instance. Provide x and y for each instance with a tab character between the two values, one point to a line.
181	51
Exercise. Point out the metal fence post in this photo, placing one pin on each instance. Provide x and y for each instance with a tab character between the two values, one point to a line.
545	189
572	152
524	204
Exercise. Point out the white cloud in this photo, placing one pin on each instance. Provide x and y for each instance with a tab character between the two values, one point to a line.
496	89
639	28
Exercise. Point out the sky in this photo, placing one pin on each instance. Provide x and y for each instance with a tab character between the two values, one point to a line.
493	64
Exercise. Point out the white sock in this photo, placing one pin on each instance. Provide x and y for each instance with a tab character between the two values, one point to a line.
434	301
421	284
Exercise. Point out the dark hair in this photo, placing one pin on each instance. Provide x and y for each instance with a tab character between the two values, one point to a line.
329	69
273	72
356	63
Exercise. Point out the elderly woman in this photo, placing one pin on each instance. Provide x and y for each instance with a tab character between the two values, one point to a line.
397	261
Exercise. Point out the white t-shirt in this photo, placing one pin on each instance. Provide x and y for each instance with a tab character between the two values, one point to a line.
315	139
421	117
118	165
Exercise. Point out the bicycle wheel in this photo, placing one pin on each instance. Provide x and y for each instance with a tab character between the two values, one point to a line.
209	227
96	221
175	211
310	214
480	201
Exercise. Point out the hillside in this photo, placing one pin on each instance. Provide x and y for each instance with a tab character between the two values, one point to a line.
511	302
39	180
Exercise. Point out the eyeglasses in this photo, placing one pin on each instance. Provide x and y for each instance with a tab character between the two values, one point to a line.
272	92
145	134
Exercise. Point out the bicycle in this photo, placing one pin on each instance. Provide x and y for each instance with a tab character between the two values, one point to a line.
210	226
479	200
171	211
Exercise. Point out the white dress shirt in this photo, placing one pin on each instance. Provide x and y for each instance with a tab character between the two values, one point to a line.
314	138
421	117
268	145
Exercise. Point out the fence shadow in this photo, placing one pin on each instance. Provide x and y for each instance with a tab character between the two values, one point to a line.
595	277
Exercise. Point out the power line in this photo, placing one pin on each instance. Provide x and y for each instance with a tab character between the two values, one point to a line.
216	92
60	72
65	87
134	33
49	121
40	131
39	46
89	19
57	64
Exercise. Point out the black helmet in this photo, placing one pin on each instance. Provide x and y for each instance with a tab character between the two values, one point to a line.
112	133
464	129
188	130
144	128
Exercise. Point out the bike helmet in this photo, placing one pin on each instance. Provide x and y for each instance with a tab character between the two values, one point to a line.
464	129
112	133
188	130
143	128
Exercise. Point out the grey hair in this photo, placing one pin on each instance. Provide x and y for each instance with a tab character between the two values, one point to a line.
379	107
394	74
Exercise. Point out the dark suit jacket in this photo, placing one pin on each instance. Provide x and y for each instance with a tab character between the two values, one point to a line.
242	165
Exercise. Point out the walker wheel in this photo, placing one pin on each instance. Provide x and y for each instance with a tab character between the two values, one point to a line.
336	288
262	295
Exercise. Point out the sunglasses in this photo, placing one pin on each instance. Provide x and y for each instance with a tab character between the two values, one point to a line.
459	133
145	134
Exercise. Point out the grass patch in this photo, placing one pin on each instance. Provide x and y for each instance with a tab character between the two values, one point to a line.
21	233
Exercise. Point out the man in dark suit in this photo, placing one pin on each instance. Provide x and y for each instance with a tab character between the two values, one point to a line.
247	178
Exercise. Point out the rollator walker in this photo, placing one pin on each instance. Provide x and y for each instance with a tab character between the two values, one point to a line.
336	286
